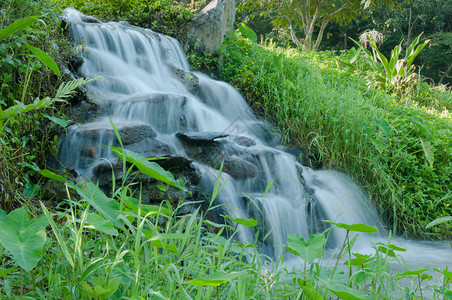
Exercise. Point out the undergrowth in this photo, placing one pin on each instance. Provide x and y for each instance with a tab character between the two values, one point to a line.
99	246
399	149
27	136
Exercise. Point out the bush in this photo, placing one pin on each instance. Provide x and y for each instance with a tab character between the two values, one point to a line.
166	16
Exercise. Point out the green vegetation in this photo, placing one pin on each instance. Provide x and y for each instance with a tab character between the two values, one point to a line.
305	15
114	247
167	16
398	148
94	245
32	49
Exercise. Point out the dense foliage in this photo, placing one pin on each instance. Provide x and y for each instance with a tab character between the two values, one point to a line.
399	148
26	136
167	16
114	247
99	246
306	15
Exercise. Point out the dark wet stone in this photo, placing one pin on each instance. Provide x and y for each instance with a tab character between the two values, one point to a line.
129	134
89	19
75	61
189	79
239	168
200	137
81	111
150	147
243	141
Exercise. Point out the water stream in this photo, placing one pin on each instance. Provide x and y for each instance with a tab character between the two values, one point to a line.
143	84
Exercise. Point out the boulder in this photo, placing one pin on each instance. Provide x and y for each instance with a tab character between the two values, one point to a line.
210	25
200	138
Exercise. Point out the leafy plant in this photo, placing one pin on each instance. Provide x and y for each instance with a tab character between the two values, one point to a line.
396	73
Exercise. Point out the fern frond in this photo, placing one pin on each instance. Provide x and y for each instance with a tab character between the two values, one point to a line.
67	89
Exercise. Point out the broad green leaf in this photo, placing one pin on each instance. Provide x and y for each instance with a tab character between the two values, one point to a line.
359	260
392	247
345	292
23	237
309	290
165	236
2	214
103	204
213	224
424	130
245	222
446	273
410	53
356	227
385	127
164	245
100	289
247	32
17	26
97	222
48	174
63	123
411	272
46	59
151	169
217	278
439	221
428	151
146	209
309	249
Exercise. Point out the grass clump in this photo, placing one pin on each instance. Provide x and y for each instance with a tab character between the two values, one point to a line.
398	148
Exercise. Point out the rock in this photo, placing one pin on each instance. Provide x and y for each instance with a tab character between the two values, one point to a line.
130	134
243	141
210	25
81	111
200	138
75	61
239	168
150	147
188	79
90	19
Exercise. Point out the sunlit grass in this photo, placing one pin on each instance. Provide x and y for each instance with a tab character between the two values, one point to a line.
382	141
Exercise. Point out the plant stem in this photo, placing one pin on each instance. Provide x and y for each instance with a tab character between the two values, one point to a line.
340	253
21	284
420	287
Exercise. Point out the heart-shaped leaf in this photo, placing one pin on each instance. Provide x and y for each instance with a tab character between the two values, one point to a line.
309	249
23	237
356	227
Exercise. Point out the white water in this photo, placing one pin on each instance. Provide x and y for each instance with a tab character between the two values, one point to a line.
138	86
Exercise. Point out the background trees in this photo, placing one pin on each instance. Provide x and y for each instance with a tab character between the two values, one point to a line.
307	20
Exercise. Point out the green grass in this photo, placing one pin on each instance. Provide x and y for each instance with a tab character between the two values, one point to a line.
114	247
399	149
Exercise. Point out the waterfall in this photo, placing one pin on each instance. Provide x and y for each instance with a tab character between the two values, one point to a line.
146	88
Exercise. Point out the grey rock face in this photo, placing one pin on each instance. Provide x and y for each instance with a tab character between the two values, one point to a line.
209	27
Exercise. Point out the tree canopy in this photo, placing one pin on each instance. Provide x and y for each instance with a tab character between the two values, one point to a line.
306	15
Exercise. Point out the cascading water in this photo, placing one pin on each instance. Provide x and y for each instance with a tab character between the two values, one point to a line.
144	89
